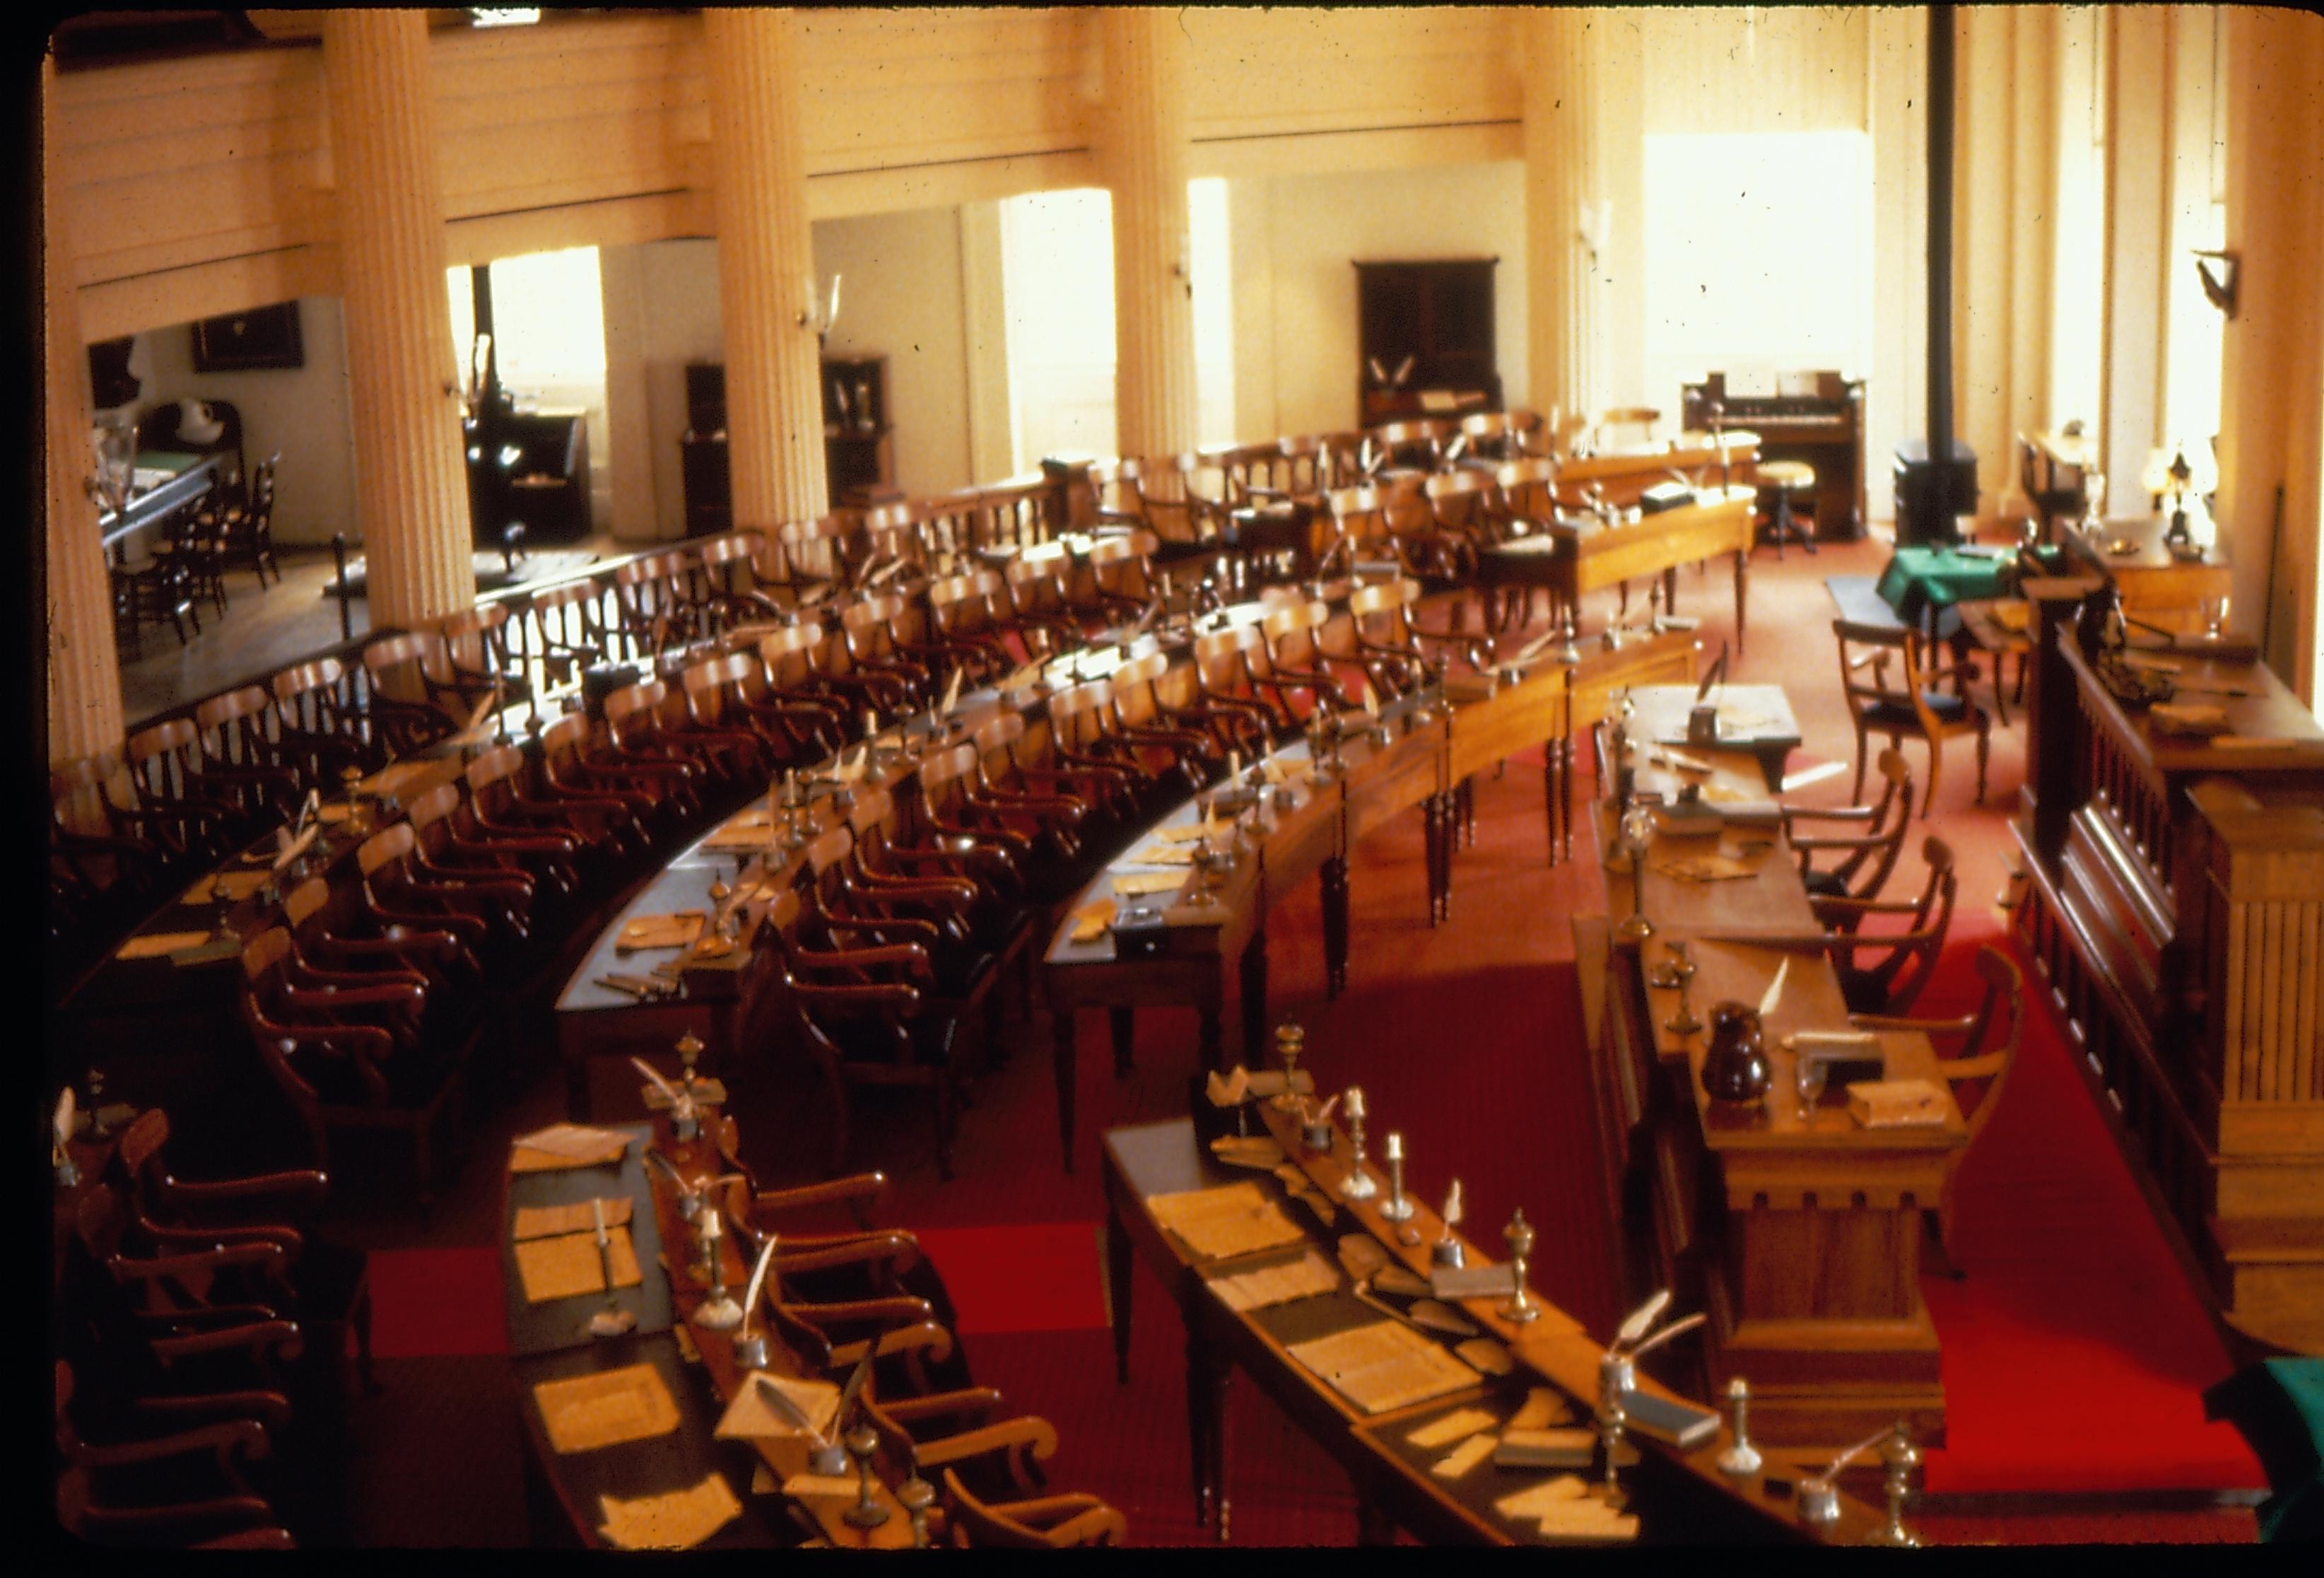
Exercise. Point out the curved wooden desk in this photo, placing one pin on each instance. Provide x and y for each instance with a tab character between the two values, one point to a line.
1677	1495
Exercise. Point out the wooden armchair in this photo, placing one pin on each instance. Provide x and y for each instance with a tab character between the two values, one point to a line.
479	667
484	880
323	1286
649	603
869	629
568	633
1083	734
716	730
1500	436
502	806
319	724
94	819
1389	644
324	940
815	556
337	1070
866	1011
726	584
1140	717
1224	660
1900	962
238	752
962	622
1863	860
1290	661
637	745
1045	806
607	792
188	1487
1417	445
407	689
1122	585
1047	1523
792	691
1906	703
163	767
393	895
1042	610
547	856
1983	1053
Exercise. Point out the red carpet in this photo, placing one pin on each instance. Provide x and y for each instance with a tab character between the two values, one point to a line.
436	1304
1041	1276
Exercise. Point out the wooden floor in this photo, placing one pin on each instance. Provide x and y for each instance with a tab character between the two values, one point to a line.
265	631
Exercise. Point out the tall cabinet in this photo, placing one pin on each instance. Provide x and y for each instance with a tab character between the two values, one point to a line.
1424	339
859	453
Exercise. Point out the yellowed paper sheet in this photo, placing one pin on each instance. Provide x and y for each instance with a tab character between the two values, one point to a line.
1361	1254
1486	1355
1192	832
1305	1277
753	1416
1137	884
568	1266
605	1408
1456	1464
820	1488
676	1521
1156	853
239	885
566	1145
660	931
1383	1366
1091	921
1541	1408
1460	1423
1259	1151
153	945
547	1221
1235	1219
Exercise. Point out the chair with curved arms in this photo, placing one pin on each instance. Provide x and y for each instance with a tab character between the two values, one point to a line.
814	556
726	592
478	666
147	849
649	603
1049	808
1498	436
186	1487
1985	1049
324	1285
1863	859
1389	644
324	945
865	1008
238	753
484	880
319	725
716	730
392	896
637	743
1042	610
1290	659
1140	717
337	1070
790	693
1904	958
406	688
1122	585
961	622
1082	734
568	633
164	765
868	627
606	794
808	663
788	730
1416	445
1907	704
499	806
1046	1523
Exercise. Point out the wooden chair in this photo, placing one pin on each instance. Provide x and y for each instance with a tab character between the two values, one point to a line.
568	633
866	1010
868	627
1078	736
814	559
486	879
726	584
1141	718
338	1071
238	751
245	527
1900	962
324	938
1290	661
501	805
962	621
163	764
1041	609
637	746
1910	704
650	603
1499	436
324	1287
1047	1523
203	1499
621	797
1612	426
1862	859
1416	444
393	894
724	735
406	682
478	664
1122	581
967	883
321	726
1043	804
1388	643
93	812
1984	1053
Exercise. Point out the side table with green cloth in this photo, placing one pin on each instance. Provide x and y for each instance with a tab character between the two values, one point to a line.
2278	1407
1920	583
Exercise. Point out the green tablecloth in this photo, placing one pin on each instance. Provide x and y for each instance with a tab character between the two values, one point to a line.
2278	1407
1921	581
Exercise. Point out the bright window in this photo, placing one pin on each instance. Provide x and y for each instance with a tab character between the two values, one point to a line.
1758	256
1057	261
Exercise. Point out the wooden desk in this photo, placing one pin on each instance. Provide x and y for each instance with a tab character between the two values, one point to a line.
2174	913
1753	719
1590	555
552	1341
191	479
1801	1238
1678	1496
2151	579
1311	828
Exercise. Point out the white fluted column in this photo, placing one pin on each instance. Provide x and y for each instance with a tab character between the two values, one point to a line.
411	491
2272	377
1144	148
766	269
83	685
1564	187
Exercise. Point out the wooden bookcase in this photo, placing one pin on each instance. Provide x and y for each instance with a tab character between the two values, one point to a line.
1439	315
859	453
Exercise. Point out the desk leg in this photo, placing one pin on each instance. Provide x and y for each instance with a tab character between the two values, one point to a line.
1062	1051
1117	1287
1742	584
1374	1527
1565	757
1254	999
1335	926
1122	1022
1208	1372
1432	812
1214	1046
1549	782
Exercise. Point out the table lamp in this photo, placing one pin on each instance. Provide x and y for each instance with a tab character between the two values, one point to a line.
2181	475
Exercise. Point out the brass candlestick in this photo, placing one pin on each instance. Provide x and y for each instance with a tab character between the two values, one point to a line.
719	1312
916	1495
1741	1460
1447	1250
1359	1184
1901	1457
1397	1208
866	1514
1636	828
1521	1307
1290	1038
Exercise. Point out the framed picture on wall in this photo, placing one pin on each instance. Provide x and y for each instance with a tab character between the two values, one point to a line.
238	342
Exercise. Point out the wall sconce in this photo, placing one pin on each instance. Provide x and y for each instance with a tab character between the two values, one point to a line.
2219	271
822	309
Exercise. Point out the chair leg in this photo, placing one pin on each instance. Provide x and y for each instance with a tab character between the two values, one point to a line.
1984	751
1936	768
1857	794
